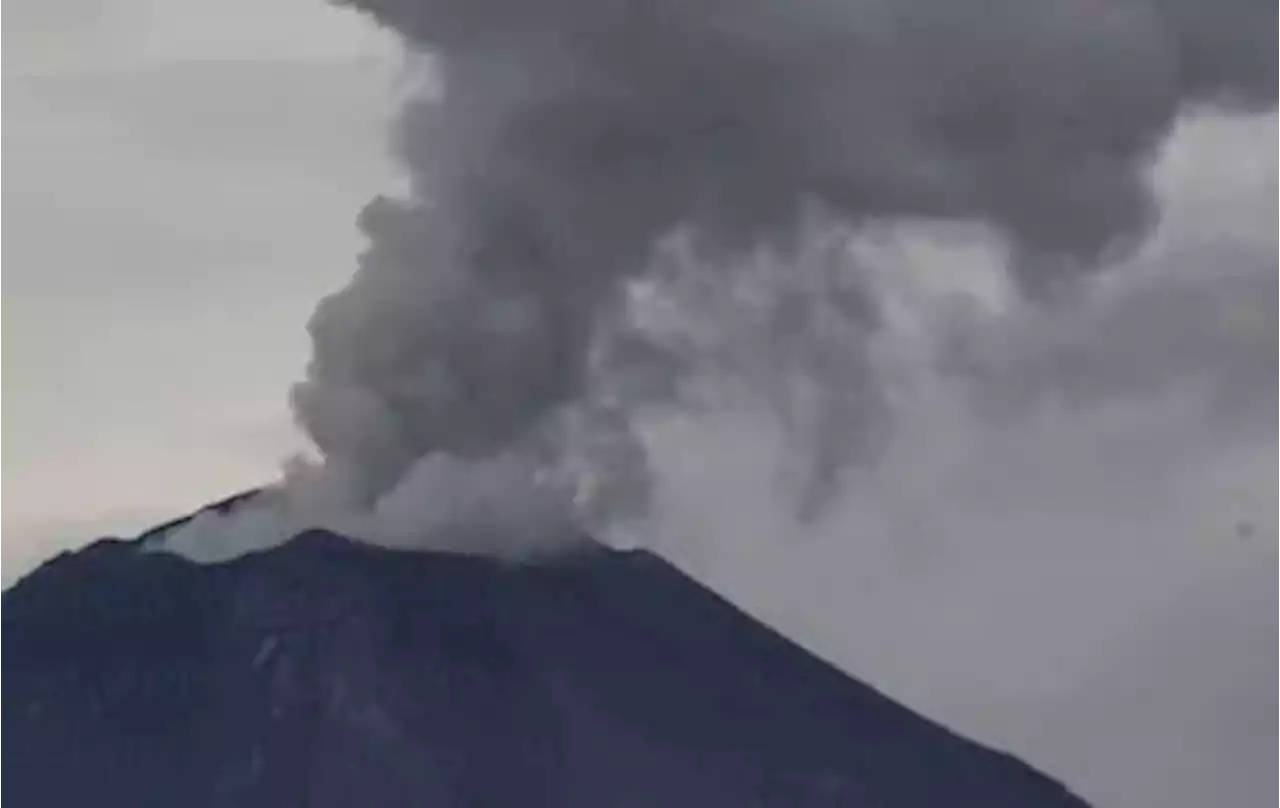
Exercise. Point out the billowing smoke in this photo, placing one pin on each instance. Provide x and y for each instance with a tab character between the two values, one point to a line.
574	163
651	234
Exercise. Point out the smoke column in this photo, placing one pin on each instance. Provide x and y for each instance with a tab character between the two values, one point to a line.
615	206
565	155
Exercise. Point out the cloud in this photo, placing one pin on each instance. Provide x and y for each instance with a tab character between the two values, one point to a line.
554	146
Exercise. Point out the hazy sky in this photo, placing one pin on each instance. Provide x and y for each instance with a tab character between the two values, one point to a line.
171	228
169	234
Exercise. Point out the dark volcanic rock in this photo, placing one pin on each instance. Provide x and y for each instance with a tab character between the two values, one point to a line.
330	673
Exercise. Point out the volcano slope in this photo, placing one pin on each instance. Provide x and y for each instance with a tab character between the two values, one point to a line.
327	672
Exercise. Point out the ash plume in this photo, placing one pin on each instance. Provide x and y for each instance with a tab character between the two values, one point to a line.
561	148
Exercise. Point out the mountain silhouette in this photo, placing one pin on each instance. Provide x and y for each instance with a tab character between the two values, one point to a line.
327	672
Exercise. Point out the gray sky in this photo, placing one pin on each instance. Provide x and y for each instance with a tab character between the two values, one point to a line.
170	233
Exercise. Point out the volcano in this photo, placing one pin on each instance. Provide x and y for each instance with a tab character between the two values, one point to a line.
328	672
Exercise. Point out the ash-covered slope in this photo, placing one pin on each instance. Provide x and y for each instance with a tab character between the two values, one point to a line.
329	673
